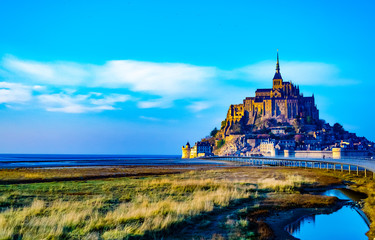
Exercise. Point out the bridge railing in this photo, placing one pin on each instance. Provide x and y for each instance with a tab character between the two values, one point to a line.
359	165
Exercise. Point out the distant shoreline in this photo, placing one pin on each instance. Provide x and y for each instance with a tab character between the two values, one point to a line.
8	161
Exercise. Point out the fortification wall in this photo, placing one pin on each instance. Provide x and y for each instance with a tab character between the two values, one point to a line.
185	152
308	154
336	153
342	153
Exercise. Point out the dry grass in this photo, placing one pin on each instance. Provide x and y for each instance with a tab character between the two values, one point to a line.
143	212
135	207
29	175
40	221
369	207
289	184
288	201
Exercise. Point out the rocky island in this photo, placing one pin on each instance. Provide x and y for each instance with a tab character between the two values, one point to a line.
279	121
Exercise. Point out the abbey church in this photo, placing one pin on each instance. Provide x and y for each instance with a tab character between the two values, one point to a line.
279	121
283	102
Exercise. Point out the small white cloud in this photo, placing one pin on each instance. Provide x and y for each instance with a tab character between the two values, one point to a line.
39	88
76	108
96	93
150	118
111	99
15	93
199	106
63	102
158	103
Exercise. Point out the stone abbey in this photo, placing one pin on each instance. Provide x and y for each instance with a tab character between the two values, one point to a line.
283	102
279	121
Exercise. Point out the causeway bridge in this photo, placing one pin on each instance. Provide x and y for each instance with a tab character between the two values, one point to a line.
355	165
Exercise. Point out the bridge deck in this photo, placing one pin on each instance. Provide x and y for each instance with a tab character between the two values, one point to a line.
363	163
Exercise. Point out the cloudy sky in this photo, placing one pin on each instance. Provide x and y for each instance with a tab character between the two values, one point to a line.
144	77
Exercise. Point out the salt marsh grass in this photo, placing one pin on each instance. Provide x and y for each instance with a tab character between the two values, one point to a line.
143	207
116	209
289	184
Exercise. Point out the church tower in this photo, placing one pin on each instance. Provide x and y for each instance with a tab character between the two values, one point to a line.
277	79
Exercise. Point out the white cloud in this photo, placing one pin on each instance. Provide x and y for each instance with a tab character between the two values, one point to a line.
163	79
156	103
77	108
63	102
33	69
14	93
150	118
301	73
111	99
163	83
199	106
57	73
39	88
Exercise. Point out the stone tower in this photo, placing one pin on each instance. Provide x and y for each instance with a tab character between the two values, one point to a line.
186	150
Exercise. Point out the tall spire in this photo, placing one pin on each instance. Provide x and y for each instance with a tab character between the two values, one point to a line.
277	74
277	63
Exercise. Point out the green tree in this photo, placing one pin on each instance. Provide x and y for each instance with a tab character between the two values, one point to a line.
223	124
214	132
338	128
309	119
220	143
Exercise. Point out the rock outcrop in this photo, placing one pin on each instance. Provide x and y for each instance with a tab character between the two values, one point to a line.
234	144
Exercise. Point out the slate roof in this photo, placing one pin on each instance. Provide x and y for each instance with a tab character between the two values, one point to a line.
263	90
277	76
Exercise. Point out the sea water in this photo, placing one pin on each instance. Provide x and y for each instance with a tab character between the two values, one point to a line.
80	160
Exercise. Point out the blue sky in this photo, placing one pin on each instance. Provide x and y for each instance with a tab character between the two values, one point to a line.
143	77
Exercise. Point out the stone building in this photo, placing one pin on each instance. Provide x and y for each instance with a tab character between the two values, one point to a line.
283	102
268	147
278	130
200	149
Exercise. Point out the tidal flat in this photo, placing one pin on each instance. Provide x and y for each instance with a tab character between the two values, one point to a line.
169	202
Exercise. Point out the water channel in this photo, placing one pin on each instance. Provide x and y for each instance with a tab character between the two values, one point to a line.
349	222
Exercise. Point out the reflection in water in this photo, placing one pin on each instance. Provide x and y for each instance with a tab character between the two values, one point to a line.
345	223
296	226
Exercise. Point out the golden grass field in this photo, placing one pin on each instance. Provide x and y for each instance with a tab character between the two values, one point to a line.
150	203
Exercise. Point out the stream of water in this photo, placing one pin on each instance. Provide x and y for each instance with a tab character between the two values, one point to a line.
348	223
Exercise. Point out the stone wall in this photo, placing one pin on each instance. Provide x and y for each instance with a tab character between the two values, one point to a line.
342	153
308	154
336	153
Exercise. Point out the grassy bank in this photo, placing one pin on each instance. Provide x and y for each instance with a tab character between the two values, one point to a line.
364	185
30	175
148	206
